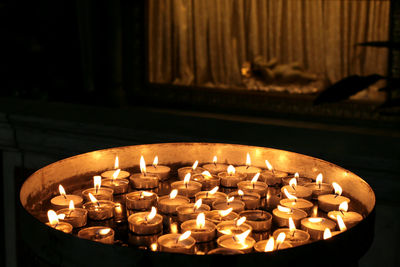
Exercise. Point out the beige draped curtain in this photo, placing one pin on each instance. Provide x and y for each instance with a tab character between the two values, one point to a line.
205	42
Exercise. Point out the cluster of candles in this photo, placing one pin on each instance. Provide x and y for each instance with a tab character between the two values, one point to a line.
235	208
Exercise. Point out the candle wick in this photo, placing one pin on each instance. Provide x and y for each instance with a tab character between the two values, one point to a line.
70	212
294	188
248	166
336	195
319	186
155	166
65	197
98	204
253	185
295	200
97	189
215	164
207	194
342	212
293	233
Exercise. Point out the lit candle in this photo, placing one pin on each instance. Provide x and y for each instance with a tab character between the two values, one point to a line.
202	230
233	227
248	170
217	216
208	197
99	209
231	202
118	185
99	234
207	180
215	168
331	202
144	180
168	204
194	169
282	214
240	242
328	234
177	243
146	223
300	180
254	186
270	244
140	200
111	173
251	199
259	220
319	188
97	191
160	170
77	217
297	190
54	223
186	187
296	203
190	211
350	218
272	176
62	201
294	236
316	226
230	178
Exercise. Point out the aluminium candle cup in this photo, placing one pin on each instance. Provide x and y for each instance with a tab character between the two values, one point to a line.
139	225
272	198
230	228
168	206
260	235
61	202
208	183
102	193
94	234
141	181
249	171
76	217
257	187
236	205
204	234
251	200
137	201
216	218
259	220
215	168
300	203
228	180
260	246
272	178
350	218
208	198
316	229
110	174
300	180
161	171
317	190
225	251
119	186
142	240
188	190
170	243
281	219
229	241
62	226
331	202
295	238
103	211
187	212
300	191
185	170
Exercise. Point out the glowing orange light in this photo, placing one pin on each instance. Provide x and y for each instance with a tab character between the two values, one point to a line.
201	220
318	181
296	175
248	160
153	247
195	165
231	170
293	182
116	173
97	182
292	226
184	236
53	218
288	195
269	166
315	220
241	239
142	165
71	205
173	194
240	192
341	224
315	211
255	178
145	194
155	161
116	163
186	179
327	233
174	228
338	188
213	191
284	209
61	190
224	213
270	246
198	204
230	199
280	239
152	214
344	206
215	159
206	174
92	198
240	221
104	231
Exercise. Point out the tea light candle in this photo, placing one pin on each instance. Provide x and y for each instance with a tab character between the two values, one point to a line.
350	218
233	227
54	223
215	168
99	209
259	220
272	176
236	205
202	230
248	170
168	204
186	187
118	185
99	234
300	180
270	244
294	236
192	170
144	180
240	242
297	190
230	178
254	186
208	197
331	202
190	211
251	200
316	226
225	251
112	173
319	188
77	217
140	200
177	243
159	170
98	192
282	214
297	203
146	223
62	201
217	216
207	180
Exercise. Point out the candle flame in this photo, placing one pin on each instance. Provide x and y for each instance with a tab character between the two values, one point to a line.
279	240
155	161
255	178
327	233
97	182
231	170
173	194
213	191
288	195
344	206
186	179
61	189
116	173
230	199
104	231
284	209
315	211
318	181
224	213
116	163
174	228
240	221
184	236
292	226
71	205
269	166
338	189
241	238
92	198
206	174
215	159
53	218
240	192
61	216
296	175
201	220
195	165
270	246
341	224
153	247
315	219
152	214
293	182
142	165
248	160
145	194
198	203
